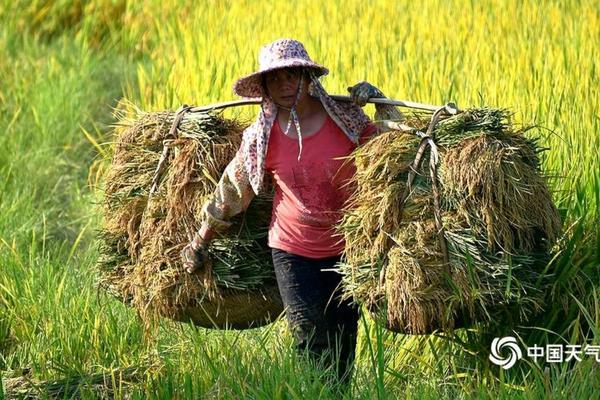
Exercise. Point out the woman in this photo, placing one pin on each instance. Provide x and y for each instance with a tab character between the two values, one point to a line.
299	133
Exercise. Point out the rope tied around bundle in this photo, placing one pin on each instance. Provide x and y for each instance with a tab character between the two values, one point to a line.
428	141
179	114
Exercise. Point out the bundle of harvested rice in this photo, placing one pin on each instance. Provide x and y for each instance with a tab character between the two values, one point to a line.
144	230
469	245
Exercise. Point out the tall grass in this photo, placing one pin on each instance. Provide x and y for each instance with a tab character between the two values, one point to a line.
64	64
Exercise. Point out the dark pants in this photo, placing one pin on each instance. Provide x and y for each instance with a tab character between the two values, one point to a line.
324	328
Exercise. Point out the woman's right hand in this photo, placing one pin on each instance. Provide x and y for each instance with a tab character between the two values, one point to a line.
195	255
362	92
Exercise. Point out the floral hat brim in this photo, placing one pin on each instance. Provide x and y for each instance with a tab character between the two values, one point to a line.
251	85
282	53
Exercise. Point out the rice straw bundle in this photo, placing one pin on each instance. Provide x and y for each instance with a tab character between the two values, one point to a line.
143	234
499	225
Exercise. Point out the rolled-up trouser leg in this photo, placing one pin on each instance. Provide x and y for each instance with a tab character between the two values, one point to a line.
324	327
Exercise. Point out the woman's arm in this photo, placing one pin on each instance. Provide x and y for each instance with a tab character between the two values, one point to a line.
231	197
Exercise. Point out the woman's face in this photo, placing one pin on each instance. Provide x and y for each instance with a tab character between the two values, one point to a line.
282	85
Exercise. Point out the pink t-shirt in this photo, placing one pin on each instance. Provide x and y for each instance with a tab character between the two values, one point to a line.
309	193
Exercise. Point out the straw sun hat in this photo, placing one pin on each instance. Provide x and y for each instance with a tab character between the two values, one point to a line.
282	53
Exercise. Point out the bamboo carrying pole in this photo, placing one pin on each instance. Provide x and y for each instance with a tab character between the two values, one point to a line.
450	107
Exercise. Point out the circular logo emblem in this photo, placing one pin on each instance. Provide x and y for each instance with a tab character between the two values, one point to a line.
514	352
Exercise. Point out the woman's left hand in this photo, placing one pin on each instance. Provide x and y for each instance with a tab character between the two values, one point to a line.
362	92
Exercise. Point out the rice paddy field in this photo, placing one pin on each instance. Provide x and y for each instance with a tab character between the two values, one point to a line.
66	65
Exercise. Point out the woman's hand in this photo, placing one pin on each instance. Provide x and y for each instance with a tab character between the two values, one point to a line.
362	92
195	255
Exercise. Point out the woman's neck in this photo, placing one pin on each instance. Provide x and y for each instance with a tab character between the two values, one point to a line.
305	108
